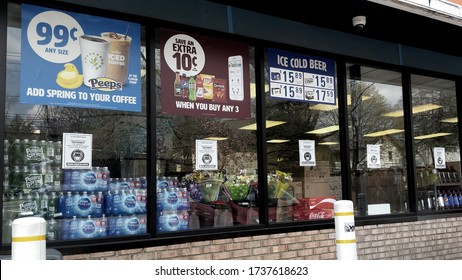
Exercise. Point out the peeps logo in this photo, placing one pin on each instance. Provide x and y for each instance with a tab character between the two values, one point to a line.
105	84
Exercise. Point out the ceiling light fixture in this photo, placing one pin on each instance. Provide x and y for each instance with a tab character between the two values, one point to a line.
324	130
269	124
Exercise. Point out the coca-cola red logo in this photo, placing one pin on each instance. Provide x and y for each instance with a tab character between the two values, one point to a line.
316	215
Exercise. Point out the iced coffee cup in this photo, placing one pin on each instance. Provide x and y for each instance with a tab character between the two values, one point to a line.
93	52
118	55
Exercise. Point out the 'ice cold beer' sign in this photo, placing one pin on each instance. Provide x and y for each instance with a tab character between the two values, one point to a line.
303	78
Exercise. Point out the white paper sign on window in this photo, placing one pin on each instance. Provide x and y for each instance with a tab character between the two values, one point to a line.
373	156
307	152
77	151
206	155
439	155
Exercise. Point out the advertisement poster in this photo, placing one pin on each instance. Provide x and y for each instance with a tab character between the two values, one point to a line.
373	156
204	76
439	155
206	155
77	60
300	77
77	150
307	152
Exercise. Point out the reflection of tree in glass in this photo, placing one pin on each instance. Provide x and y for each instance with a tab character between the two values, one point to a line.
429	122
18	128
116	134
365	115
179	134
299	119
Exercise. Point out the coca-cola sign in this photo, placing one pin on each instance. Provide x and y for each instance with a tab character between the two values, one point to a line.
322	202
320	214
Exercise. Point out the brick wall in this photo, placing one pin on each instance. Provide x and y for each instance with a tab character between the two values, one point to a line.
423	240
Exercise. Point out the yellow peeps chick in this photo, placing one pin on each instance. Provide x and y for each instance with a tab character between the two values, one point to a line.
69	77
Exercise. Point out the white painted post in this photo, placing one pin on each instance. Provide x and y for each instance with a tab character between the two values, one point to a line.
28	240
345	236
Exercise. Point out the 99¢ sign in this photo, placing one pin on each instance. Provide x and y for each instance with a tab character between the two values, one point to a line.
184	54
54	36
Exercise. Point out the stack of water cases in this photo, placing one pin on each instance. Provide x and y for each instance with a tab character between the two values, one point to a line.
95	205
172	205
32	179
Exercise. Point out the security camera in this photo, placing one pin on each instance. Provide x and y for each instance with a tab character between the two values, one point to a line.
359	22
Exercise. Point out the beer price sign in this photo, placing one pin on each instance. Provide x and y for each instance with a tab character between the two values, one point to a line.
301	78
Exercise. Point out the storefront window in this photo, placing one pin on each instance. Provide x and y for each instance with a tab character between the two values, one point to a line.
75	154
436	143
302	137
376	141
206	155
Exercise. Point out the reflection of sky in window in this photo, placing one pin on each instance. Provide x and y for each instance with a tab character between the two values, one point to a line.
391	92
13	67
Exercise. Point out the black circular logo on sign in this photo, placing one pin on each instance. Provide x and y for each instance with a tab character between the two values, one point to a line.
207	158
77	155
440	160
373	159
307	156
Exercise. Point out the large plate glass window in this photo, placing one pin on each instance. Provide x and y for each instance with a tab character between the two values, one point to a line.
376	141
302	137
206	162
436	143
75	124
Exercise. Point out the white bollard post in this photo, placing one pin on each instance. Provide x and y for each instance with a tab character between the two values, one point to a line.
28	240
345	236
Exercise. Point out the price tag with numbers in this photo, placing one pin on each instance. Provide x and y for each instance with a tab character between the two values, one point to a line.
54	40
301	78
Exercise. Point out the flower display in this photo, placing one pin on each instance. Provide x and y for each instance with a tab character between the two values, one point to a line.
278	182
239	186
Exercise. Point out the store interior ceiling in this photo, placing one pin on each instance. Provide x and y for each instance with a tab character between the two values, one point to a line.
382	22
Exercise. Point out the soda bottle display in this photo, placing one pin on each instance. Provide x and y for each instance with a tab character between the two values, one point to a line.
445	200
116	203
141	197
440	200
57	175
97	204
67	205
456	200
450	199
6	152
33	180
177	85
52	229
199	88
17	153
58	153
48	178
108	203
43	146
33	152
52	205
82	205
128	203
87	228
44	204
101	226
184	85
50	150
